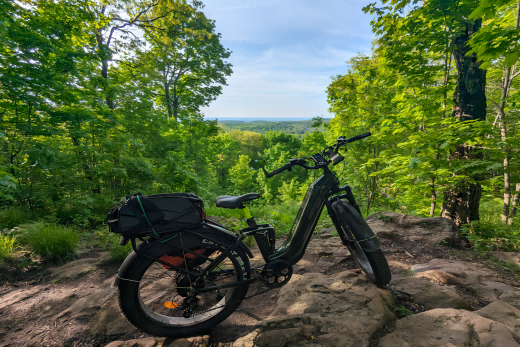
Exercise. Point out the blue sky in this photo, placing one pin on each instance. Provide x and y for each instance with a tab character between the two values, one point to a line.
284	53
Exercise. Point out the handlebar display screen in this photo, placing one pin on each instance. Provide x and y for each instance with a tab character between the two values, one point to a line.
318	158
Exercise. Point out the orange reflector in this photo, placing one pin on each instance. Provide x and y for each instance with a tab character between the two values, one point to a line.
170	304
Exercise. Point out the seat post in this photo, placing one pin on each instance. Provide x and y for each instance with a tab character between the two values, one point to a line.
249	219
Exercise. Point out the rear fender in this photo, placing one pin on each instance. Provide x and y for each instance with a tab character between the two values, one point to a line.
185	239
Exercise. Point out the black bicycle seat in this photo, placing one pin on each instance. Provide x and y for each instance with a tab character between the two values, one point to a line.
229	201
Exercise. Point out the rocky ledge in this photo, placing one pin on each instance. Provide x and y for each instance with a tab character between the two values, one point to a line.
437	297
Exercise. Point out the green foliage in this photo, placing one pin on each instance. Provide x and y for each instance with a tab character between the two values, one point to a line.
385	218
401	311
7	245
299	128
498	38
51	240
117	253
80	131
490	234
12	217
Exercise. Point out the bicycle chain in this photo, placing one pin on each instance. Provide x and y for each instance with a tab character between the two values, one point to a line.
233	302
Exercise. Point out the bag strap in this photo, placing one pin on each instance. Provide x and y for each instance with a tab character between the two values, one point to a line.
150	224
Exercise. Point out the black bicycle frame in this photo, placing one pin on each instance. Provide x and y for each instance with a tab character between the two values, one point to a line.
300	234
293	249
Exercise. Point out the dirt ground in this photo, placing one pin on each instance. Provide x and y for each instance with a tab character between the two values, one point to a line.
35	323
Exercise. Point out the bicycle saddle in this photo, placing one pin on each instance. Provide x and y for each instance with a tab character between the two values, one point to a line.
229	201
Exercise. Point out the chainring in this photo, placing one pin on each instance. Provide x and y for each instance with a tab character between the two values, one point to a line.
277	273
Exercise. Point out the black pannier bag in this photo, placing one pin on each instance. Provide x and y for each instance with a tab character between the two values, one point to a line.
141	215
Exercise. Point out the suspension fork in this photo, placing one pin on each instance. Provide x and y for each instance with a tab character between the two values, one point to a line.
348	195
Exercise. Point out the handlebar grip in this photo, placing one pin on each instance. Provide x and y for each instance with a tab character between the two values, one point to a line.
358	137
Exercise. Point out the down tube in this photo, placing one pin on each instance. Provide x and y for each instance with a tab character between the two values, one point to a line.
294	247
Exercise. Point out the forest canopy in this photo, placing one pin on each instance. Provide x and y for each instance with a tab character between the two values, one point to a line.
102	99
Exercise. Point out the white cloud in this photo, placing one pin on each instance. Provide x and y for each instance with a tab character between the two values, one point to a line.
284	53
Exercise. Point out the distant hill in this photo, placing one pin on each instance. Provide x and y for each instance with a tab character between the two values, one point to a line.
263	126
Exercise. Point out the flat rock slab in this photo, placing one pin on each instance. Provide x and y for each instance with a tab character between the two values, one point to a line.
448	327
17	295
344	309
198	341
91	303
109	320
502	312
431	295
80	266
471	277
468	273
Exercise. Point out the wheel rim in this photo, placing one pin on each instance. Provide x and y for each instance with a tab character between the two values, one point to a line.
159	285
359	254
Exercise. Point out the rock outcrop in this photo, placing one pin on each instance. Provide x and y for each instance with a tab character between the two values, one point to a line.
448	327
393	227
198	341
313	309
457	303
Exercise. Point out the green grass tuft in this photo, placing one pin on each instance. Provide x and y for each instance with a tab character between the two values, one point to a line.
402	311
12	217
117	252
7	243
385	218
51	240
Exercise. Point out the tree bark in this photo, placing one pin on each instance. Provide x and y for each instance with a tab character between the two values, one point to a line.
507	192
434	197
434	193
506	86
461	202
514	204
175	104
168	101
470	94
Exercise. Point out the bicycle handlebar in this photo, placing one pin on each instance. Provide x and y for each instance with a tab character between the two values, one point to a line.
288	166
359	137
277	171
335	157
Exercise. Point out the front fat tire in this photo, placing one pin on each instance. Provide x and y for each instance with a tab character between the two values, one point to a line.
132	307
355	227
381	270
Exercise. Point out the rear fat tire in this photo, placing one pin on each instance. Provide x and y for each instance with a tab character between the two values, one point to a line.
131	304
373	263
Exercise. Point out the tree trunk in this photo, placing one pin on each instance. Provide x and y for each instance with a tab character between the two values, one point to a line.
506	86
175	104
514	204
104	74
168	101
434	193
461	202
470	94
507	192
434	197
